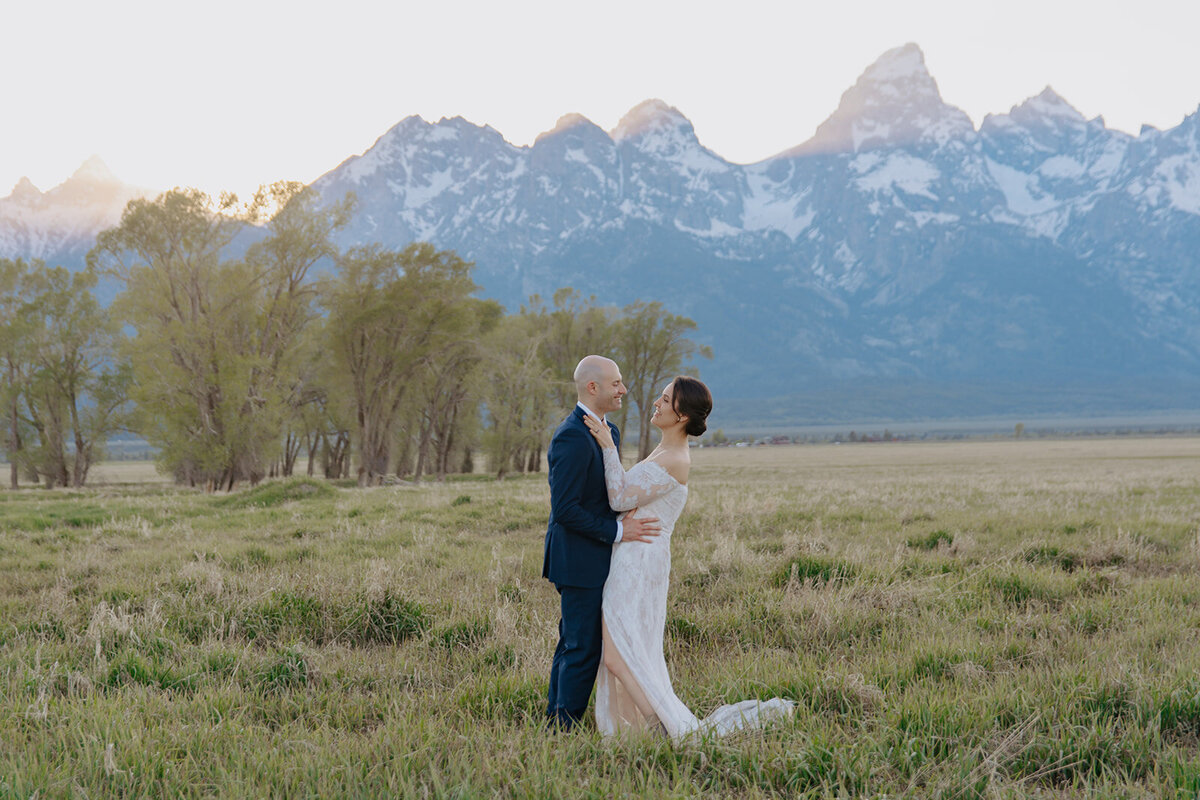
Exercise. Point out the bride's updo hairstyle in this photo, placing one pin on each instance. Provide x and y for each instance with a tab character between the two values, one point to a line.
691	399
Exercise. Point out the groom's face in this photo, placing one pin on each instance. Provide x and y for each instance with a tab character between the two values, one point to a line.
609	390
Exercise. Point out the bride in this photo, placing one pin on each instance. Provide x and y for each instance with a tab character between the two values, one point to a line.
633	688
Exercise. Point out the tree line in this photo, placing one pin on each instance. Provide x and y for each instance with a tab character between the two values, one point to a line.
369	359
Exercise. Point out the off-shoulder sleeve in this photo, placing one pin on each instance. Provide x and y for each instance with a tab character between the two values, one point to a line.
647	481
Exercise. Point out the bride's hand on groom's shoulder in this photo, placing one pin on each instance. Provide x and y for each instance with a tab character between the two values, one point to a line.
599	430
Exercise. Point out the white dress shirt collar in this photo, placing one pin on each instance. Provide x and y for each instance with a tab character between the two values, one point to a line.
591	413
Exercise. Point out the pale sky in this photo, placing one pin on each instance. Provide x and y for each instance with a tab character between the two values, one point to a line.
228	95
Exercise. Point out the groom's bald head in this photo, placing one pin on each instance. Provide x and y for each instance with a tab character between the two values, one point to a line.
598	384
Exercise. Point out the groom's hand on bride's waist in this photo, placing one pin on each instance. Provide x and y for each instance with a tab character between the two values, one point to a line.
639	529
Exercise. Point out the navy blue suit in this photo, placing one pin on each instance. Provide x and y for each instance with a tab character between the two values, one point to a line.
579	543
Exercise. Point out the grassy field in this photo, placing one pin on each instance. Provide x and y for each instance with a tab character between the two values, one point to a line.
981	619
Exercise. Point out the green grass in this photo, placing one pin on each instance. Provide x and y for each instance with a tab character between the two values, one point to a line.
968	620
931	541
274	493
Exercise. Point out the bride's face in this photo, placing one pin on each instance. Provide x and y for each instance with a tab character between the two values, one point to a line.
664	415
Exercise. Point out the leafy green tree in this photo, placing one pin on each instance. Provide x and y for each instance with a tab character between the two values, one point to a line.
300	236
518	394
652	346
182	301
214	353
450	391
390	314
324	415
77	388
575	327
15	318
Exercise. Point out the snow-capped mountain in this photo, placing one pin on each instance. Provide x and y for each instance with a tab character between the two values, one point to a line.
60	225
899	242
898	246
894	103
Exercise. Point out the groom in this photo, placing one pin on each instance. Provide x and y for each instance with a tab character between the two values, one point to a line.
580	536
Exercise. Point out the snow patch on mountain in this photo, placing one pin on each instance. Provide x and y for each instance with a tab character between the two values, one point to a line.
901	171
1061	167
431	186
1022	194
923	218
1180	177
1109	160
716	229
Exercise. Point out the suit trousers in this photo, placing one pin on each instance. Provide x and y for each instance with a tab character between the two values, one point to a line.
577	656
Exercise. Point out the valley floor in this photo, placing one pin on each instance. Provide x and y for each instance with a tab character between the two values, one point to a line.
957	619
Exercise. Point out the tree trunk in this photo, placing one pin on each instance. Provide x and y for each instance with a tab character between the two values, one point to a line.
423	449
291	451
80	467
644	431
14	443
313	442
376	453
336	456
446	444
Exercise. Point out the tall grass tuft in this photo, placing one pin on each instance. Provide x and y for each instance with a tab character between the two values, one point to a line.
813	568
274	493
930	542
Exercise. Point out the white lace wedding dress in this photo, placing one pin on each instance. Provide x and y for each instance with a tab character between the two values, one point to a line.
635	614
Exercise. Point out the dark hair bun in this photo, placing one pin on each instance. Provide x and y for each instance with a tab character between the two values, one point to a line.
692	399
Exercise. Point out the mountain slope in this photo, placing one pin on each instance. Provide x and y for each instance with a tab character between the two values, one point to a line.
899	246
898	243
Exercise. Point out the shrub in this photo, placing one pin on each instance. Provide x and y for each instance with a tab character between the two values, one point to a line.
463	634
1017	590
277	493
287	671
811	568
505	697
931	541
65	515
286	615
1052	556
391	619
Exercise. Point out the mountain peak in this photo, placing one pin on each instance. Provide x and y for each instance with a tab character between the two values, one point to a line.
650	115
894	102
412	126
906	62
570	122
25	190
1048	104
94	170
415	129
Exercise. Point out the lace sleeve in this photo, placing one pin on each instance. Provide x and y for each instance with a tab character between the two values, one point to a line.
627	490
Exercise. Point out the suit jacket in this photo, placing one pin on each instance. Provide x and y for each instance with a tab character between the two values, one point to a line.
582	526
